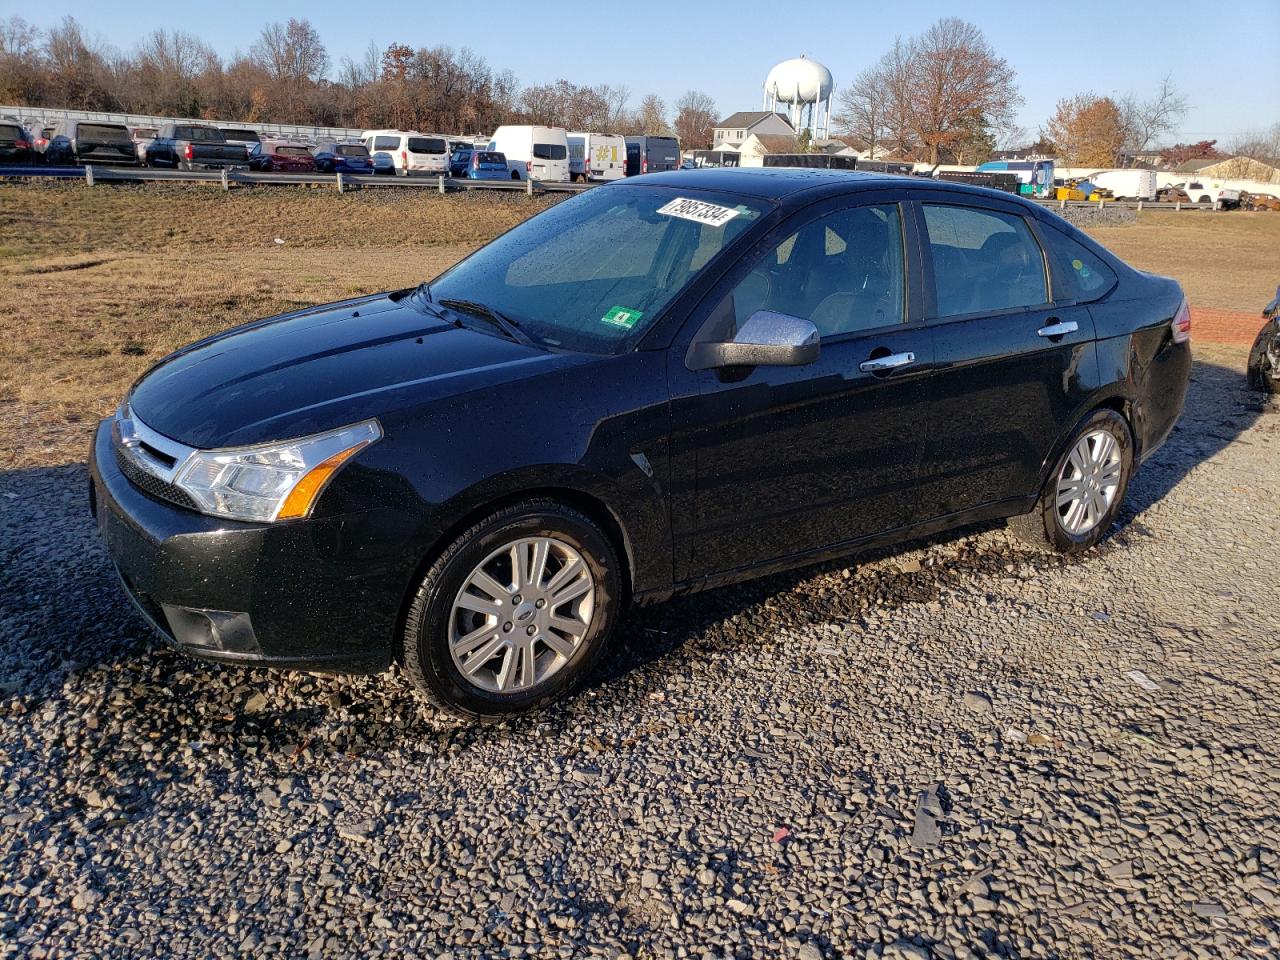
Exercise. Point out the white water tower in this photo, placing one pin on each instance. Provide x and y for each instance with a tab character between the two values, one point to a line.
801	84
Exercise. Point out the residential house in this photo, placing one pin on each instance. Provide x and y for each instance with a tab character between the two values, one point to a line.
733	131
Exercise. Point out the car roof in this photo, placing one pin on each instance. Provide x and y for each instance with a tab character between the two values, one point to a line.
776	183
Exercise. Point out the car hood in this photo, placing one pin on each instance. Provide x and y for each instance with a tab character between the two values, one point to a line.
325	367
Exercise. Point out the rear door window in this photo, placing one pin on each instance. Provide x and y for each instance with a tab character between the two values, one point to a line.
427	145
984	261
351	150
550	151
104	133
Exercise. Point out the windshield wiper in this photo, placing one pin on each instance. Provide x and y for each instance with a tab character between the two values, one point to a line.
500	320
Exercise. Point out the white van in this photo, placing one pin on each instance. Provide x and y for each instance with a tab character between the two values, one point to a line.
597	156
1127	184
411	152
538	153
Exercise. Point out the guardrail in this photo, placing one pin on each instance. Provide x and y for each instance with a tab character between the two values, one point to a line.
93	174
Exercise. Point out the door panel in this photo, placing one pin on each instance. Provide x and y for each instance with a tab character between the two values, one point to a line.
1001	396
793	459
1010	372
772	462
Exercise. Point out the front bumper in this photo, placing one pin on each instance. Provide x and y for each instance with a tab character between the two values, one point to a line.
303	594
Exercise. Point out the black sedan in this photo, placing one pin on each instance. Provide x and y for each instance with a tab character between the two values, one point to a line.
658	386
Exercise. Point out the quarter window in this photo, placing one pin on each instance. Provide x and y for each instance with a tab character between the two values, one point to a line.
1078	274
843	272
983	261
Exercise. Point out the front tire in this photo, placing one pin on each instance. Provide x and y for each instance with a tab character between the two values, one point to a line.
1083	493
1262	371
514	613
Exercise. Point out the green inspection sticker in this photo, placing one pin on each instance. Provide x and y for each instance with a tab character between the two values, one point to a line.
623	317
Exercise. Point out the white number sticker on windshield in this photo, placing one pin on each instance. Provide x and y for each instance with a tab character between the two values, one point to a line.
699	211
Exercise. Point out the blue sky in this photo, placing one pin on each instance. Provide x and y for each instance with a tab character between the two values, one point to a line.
1217	54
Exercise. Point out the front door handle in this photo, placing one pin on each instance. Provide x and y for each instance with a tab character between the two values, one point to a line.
1059	329
891	362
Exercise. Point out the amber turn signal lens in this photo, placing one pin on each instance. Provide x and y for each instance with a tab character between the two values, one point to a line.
303	496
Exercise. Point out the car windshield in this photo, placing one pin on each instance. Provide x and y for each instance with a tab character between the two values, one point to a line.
594	272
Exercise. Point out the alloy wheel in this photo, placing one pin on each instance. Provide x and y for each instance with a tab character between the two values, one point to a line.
1089	481
521	615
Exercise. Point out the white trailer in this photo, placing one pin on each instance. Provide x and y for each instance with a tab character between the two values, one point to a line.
1127	184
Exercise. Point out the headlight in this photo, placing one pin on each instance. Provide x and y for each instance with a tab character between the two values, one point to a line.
275	481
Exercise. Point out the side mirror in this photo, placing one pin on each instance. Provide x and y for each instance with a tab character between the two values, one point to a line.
767	339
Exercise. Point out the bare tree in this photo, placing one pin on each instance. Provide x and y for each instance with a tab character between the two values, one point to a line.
1147	121
291	51
617	98
652	118
1263	145
22	72
695	120
958	83
78	71
18	38
864	106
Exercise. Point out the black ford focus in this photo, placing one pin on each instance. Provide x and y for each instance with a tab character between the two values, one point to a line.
657	386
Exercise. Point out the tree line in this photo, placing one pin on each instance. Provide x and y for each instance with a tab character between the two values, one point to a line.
287	76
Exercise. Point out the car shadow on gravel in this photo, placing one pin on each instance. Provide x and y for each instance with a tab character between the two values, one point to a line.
63	614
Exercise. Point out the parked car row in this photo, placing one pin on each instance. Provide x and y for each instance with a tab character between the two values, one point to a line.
514	152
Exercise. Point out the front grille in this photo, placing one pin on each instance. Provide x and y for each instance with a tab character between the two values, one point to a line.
151	484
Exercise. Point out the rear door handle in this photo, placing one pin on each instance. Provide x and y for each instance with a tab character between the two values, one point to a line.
891	362
1059	329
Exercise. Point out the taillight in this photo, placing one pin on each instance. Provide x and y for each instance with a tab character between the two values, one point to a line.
528	166
188	153
1182	324
404	157
21	144
475	161
644	165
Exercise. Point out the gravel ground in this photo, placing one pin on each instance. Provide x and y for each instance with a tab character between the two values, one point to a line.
943	751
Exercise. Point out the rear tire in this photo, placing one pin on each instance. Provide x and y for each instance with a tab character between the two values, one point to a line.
1262	375
1072	524
471	604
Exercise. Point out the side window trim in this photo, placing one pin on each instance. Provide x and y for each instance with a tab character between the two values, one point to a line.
931	314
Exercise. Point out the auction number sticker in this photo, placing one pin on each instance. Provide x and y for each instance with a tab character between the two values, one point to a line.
623	317
699	211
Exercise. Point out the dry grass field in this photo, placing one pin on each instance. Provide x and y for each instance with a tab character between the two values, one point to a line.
98	284
1227	261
